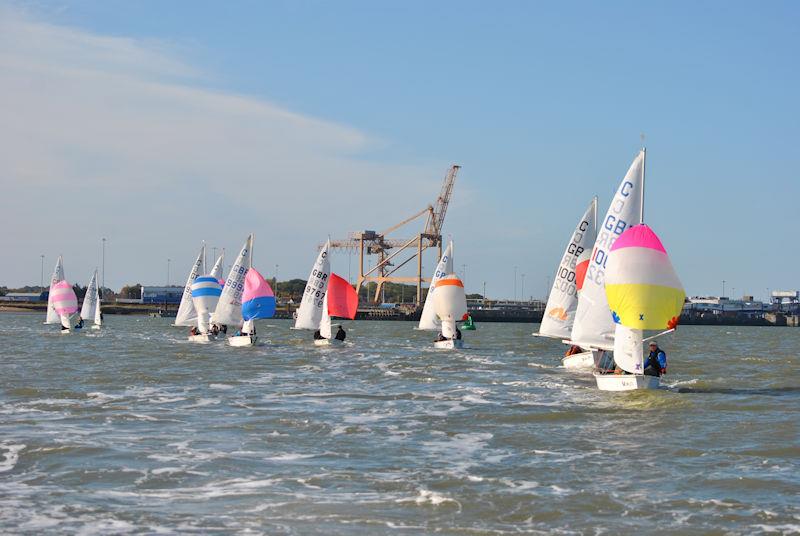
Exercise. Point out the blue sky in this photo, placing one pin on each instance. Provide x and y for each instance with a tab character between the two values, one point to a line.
542	103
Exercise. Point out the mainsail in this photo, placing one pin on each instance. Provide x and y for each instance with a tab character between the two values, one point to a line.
187	315
216	271
428	320
593	325
309	314
563	301
643	291
58	275
90	299
229	308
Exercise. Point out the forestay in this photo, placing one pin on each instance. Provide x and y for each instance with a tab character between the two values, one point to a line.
593	326
90	299
229	308
563	300
313	303
428	320
58	275
187	315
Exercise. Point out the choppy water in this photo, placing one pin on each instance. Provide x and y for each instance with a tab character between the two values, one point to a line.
134	430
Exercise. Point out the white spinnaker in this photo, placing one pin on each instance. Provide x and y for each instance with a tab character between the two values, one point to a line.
428	320
313	304
90	299
58	275
229	308
216	271
187	315
559	314
325	321
628	352
593	325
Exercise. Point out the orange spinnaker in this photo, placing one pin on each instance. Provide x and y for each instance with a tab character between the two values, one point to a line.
342	298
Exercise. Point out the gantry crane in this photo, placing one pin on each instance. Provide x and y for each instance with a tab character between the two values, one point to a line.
389	262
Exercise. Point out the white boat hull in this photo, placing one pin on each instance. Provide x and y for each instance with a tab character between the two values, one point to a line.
328	342
449	344
95	326
204	337
583	360
242	340
626	382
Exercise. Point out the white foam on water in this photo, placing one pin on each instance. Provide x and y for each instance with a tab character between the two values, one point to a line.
10	457
289	456
781	529
203	402
106	526
102	397
220	386
425	496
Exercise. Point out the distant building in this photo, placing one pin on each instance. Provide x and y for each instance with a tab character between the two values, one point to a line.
25	296
722	305
162	294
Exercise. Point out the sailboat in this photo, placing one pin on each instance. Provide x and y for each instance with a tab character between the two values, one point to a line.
187	315
593	327
428	321
206	291
450	304
340	301
58	275
562	303
65	303
644	293
258	301
229	308
91	303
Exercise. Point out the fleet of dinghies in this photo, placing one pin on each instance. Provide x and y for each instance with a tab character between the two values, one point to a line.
613	284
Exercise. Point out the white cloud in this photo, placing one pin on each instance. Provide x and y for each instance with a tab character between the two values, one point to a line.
111	136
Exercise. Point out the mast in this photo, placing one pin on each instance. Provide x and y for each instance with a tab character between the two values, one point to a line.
595	215
252	241
644	159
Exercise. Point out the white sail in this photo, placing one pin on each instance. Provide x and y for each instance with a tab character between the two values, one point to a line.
216	271
187	315
628	353
98	316
229	308
428	320
559	314
594	326
90	299
313	304
58	275
325	321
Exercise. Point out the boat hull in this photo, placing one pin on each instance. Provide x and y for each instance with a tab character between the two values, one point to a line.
626	382
583	360
203	337
328	342
95	326
242	340
449	344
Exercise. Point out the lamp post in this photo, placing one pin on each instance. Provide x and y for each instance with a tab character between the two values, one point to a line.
484	292
276	282
547	288
723	288
522	293
103	279
515	283
41	277
168	261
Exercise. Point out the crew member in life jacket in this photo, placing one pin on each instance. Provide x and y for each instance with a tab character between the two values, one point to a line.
574	349
656	362
340	334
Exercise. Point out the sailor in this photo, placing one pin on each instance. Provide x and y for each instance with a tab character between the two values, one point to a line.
215	330
64	328
318	336
458	334
79	325
574	349
194	331
224	329
656	362
340	334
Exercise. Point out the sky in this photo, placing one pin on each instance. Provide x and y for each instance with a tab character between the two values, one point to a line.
158	125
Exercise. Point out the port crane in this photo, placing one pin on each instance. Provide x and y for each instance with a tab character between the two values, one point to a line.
394	253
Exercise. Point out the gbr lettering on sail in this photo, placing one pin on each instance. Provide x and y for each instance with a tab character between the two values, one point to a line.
565	279
315	289
614	225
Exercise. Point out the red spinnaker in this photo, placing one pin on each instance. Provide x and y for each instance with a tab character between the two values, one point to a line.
342	298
